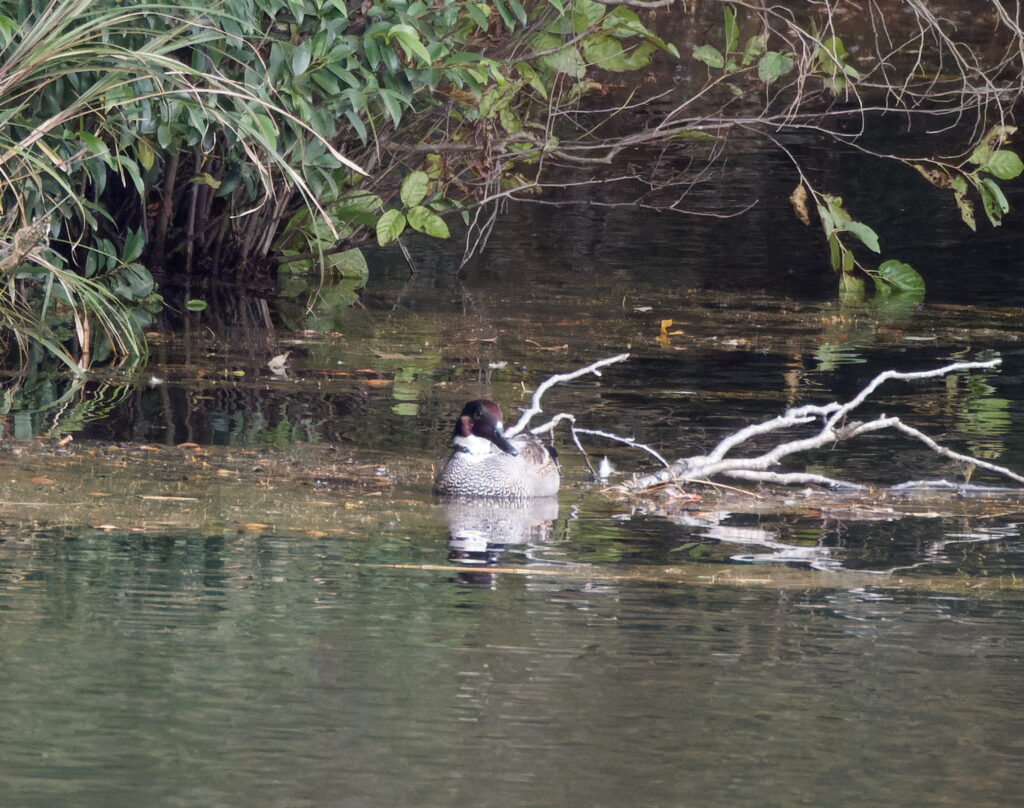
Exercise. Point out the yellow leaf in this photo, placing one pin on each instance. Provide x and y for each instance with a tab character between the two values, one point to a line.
663	338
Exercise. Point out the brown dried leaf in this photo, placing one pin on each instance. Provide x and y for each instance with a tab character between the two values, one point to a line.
940	179
798	199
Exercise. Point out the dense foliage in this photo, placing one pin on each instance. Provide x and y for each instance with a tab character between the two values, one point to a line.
144	136
161	137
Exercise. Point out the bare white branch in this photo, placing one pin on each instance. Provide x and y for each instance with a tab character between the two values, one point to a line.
628	441
793	478
832	431
855	402
792	417
558	378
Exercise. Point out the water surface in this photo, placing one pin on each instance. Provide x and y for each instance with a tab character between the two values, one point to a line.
233	588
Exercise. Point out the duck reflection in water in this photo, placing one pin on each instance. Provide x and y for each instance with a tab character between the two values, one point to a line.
500	491
479	531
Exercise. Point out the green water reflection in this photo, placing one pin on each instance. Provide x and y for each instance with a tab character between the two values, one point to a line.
270	671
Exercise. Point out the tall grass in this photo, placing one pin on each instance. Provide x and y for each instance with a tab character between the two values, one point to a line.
99	98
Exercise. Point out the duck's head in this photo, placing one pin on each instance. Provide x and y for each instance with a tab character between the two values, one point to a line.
479	427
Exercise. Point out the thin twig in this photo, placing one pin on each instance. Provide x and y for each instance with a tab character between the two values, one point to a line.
628	441
558	378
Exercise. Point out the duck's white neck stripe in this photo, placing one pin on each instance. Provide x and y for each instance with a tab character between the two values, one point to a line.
474	447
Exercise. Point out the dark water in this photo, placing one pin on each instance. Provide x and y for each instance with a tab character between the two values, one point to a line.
618	656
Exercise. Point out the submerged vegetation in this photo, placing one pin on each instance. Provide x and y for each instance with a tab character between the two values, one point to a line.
153	138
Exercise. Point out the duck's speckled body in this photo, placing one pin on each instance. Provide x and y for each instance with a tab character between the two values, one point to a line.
486	464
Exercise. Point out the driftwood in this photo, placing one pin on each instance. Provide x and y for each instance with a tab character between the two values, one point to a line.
835	426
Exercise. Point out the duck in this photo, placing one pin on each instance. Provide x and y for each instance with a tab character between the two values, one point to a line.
484	463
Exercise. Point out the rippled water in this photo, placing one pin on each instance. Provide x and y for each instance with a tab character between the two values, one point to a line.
199	671
604	662
252	622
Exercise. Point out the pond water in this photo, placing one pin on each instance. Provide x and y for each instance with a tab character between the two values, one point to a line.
233	587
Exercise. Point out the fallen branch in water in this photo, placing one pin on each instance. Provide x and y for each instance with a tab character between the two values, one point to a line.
543	387
834	429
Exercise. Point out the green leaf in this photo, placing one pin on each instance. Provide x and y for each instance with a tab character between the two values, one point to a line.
997	194
835	251
773	65
586	14
195	305
409	41
826	220
133	282
266	127
836	209
518	10
134	243
990	206
426	221
414	188
867	236
603	51
709	55
624	22
756	45
145	154
357	124
1003	163
509	122
832	54
732	30
564	60
92	143
390	100
980	154
390	226
480	14
301	57
851	287
164	135
349	264
503	12
836	84
993	201
132	168
903	278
